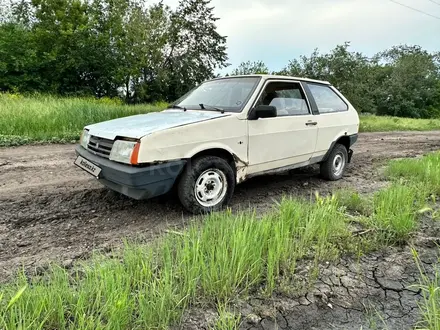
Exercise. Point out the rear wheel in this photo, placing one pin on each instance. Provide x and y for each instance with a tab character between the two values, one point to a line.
207	184
334	167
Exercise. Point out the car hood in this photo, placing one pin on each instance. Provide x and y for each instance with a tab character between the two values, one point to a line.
138	126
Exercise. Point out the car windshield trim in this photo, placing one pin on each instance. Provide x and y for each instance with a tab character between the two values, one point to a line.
249	85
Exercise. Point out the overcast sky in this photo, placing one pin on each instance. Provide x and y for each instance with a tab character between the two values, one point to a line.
276	31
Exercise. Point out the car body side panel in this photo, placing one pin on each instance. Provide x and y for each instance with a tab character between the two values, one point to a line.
227	133
329	131
333	126
280	141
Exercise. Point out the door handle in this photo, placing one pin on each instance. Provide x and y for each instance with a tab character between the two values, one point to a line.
312	123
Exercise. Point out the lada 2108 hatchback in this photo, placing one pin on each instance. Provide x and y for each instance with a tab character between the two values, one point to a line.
219	134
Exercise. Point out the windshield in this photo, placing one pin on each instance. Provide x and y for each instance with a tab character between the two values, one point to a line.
229	94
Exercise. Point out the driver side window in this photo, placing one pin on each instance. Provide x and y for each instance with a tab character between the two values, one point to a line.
287	97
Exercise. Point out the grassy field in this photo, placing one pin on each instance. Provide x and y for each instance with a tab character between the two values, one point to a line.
150	286
387	124
53	119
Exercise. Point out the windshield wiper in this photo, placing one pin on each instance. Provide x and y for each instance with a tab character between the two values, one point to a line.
175	106
210	107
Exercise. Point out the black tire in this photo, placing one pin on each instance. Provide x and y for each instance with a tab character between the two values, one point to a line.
329	168
218	168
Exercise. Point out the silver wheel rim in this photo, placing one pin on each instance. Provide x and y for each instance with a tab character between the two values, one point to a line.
211	187
338	164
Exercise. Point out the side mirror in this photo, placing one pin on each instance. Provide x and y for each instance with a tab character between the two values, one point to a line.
263	111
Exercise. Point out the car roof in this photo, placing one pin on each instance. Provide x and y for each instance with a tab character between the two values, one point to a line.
271	76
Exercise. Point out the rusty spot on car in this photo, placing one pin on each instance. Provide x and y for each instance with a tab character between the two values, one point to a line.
241	167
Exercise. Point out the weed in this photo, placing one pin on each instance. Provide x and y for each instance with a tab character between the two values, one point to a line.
375	319
424	171
394	212
353	202
430	290
226	319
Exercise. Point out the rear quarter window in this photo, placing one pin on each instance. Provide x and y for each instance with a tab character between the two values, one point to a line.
326	99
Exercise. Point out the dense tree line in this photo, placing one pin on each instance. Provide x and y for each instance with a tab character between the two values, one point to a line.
403	81
109	47
145	53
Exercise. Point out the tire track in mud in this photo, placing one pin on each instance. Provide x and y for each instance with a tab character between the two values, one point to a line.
52	211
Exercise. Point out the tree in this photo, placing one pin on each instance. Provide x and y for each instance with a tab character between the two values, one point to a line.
109	47
348	71
195	48
410	83
18	59
401	81
257	67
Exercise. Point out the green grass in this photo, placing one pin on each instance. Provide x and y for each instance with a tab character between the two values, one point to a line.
424	171
429	285
370	123
394	212
43	118
353	202
54	119
151	286
424	174
226	320
390	214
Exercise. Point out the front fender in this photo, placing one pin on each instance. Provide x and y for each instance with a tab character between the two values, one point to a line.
209	146
240	160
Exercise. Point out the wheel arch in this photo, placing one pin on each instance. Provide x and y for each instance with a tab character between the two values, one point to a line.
238	165
218	152
346	140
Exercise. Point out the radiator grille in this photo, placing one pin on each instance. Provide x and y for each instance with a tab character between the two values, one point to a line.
99	146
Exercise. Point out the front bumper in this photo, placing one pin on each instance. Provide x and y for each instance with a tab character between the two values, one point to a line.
135	182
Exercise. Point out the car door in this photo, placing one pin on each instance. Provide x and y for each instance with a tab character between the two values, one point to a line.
287	139
334	118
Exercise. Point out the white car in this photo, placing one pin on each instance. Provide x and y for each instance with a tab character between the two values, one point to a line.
219	134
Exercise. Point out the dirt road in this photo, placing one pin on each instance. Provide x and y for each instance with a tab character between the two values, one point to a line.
51	210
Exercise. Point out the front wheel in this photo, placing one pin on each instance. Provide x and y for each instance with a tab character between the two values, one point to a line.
334	167
207	184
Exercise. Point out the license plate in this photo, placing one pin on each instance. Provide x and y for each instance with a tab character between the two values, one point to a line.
87	166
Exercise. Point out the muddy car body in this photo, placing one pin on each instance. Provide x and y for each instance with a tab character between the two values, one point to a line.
218	135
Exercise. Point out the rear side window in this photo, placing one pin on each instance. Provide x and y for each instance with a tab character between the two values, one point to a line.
326	99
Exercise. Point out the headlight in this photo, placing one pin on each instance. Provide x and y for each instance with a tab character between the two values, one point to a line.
125	152
85	137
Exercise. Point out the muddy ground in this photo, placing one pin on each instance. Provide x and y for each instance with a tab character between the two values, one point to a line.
52	211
